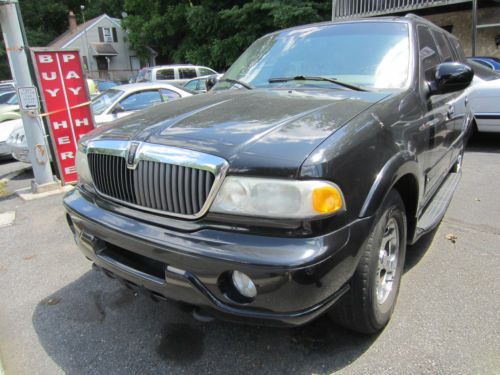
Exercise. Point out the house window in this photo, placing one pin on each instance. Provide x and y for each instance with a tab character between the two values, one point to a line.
108	36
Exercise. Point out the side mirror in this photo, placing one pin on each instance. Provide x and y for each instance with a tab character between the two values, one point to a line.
118	109
210	82
450	77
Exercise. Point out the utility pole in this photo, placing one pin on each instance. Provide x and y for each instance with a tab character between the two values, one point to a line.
17	52
474	26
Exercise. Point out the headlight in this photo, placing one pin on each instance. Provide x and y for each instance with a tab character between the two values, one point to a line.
82	165
292	199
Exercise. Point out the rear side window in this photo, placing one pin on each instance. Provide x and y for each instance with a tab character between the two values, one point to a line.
187	73
443	45
428	52
168	95
165	74
206	72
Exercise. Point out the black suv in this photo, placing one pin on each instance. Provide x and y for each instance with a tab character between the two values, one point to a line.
293	187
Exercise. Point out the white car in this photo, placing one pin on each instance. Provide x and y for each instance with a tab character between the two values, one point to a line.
120	101
6	129
113	103
484	98
178	74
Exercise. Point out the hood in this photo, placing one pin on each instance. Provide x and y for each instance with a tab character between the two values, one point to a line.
250	129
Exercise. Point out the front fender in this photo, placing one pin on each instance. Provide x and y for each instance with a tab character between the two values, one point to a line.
397	166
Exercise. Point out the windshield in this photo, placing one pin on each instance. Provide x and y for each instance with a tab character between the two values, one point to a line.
143	75
105	100
370	54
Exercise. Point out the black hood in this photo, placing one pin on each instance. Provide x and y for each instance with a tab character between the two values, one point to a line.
272	128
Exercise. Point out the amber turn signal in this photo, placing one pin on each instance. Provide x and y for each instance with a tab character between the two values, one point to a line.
326	199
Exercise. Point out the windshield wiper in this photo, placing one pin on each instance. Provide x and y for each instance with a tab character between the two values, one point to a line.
245	85
312	78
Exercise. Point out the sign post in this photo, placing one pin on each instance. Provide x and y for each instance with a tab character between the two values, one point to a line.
16	47
66	103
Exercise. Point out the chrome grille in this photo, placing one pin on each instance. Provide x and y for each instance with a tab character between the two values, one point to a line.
152	185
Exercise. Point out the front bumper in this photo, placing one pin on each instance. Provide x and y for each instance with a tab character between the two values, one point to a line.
297	279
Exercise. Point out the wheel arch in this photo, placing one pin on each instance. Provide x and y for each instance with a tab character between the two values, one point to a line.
401	174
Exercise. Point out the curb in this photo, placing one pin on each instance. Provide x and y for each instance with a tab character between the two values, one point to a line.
10	176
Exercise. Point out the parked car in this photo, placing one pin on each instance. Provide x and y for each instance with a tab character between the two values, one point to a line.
200	84
114	103
491	62
123	100
10	109
16	144
179	74
6	96
292	188
6	129
484	98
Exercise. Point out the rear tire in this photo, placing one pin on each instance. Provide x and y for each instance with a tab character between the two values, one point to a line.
368	306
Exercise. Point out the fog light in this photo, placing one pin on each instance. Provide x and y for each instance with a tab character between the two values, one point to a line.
244	284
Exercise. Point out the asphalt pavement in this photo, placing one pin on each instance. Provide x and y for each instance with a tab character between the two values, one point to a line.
57	315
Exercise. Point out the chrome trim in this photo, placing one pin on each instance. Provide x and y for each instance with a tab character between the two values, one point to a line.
164	154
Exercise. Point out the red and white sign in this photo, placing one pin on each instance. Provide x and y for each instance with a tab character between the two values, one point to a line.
67	105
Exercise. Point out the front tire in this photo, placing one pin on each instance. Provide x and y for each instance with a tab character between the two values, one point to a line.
369	304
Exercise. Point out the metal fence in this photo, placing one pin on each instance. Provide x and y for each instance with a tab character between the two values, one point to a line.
367	8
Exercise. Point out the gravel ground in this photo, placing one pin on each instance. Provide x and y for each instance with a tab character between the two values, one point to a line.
59	316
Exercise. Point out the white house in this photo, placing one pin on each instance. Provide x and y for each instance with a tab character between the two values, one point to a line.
103	47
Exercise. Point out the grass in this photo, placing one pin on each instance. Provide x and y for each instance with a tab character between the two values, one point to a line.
4	191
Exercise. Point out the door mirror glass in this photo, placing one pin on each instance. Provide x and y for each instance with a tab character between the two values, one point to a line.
450	77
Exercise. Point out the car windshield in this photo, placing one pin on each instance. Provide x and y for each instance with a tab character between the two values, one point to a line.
105	100
369	54
143	75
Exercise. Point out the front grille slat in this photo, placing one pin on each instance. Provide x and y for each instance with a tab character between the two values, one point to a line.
152	185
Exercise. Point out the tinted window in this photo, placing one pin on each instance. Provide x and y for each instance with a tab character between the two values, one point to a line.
206	72
444	47
168	95
187	73
140	100
429	56
165	74
368	54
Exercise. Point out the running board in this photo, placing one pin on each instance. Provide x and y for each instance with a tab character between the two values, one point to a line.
436	209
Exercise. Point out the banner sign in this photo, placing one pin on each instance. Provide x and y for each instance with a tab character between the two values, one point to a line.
67	104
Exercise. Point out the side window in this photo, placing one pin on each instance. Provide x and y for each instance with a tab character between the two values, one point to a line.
206	72
444	47
187	73
165	74
168	95
428	53
140	100
458	49
192	85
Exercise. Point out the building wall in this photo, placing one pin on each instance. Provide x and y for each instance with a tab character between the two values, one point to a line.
462	29
119	66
